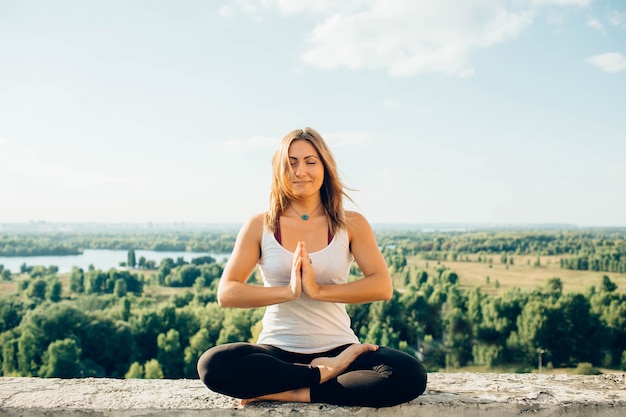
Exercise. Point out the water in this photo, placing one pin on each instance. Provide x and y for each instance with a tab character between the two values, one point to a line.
103	259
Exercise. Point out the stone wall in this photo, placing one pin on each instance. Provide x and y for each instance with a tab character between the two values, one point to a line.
448	394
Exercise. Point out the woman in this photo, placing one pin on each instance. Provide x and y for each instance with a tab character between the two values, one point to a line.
304	246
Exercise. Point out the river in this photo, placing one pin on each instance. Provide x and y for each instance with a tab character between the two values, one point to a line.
103	259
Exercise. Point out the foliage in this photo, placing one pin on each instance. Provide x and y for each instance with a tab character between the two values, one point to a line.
122	323
586	368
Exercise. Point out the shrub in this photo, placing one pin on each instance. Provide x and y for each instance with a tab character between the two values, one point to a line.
586	368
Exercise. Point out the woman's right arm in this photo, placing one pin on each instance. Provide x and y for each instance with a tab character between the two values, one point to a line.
233	291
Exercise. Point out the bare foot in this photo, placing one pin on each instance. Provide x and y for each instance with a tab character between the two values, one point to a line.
301	395
331	367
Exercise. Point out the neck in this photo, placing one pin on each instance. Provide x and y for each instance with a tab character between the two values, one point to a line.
305	211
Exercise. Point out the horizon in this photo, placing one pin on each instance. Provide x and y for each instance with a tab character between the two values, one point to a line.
451	112
78	227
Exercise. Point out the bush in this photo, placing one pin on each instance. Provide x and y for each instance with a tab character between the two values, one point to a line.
585	368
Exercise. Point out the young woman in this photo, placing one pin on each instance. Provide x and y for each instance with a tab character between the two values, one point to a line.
304	246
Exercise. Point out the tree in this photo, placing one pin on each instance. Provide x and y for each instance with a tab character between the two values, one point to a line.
555	287
120	288
5	275
153	369
77	280
135	371
54	290
170	355
131	259
198	343
37	289
8	341
607	285
61	360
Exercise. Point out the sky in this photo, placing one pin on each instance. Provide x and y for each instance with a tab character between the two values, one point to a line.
454	111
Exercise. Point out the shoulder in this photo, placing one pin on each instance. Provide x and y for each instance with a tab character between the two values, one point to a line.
357	225
252	228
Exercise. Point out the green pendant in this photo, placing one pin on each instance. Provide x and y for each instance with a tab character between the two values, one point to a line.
305	217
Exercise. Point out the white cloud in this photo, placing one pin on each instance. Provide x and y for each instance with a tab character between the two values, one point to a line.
225	11
561	2
618	19
595	24
407	37
609	62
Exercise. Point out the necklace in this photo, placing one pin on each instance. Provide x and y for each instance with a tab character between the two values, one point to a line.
305	216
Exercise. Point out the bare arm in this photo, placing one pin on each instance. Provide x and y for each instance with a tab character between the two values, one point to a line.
376	283
233	291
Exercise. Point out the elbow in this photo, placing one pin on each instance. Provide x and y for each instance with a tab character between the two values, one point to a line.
224	302
223	299
387	294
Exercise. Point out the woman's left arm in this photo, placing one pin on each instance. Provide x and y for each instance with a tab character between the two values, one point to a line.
376	283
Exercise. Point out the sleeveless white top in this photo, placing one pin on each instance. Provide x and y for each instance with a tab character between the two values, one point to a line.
305	325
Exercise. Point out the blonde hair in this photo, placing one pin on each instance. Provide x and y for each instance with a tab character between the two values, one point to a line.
332	192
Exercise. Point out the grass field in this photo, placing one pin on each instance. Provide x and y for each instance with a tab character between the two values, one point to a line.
522	274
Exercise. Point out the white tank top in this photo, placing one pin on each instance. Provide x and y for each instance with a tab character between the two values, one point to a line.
305	325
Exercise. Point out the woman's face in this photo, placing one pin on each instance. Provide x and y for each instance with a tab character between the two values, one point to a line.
307	168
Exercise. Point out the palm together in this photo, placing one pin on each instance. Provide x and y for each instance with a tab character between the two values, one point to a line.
302	276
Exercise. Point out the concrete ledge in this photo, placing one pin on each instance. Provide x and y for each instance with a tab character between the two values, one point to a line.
448	394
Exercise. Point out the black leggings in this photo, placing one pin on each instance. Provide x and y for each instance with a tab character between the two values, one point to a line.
382	378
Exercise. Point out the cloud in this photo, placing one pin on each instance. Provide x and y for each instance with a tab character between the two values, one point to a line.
561	2
595	24
618	19
406	37
225	11
609	62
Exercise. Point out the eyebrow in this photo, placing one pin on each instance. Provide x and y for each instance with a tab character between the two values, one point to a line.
306	157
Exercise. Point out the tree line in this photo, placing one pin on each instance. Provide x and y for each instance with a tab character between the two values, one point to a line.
59	243
107	323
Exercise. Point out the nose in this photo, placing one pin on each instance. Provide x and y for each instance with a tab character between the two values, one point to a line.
298	170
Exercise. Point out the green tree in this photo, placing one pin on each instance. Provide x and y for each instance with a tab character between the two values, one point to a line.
9	344
54	289
61	360
135	371
37	289
607	285
77	280
131	259
120	288
5	275
198	343
170	354
153	369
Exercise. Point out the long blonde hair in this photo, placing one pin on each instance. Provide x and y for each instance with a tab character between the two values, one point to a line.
332	192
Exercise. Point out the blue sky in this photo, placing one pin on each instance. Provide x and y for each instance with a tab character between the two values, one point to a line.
474	111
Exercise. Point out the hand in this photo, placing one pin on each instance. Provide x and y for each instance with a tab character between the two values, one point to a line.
295	283
310	287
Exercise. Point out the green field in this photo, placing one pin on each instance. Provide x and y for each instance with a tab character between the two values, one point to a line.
522	274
